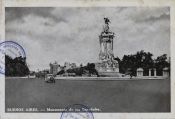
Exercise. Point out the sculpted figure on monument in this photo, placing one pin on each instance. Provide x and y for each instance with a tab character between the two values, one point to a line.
110	54
102	56
106	21
106	28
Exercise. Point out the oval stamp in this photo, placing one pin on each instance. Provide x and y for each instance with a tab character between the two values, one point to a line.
12	49
77	111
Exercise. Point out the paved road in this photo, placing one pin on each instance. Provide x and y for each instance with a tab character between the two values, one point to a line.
108	96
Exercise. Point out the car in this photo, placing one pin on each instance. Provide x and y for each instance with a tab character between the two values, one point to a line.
50	78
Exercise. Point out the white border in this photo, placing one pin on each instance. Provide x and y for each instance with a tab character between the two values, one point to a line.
90	3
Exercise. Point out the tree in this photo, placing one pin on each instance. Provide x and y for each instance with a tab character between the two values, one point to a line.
16	66
160	63
132	62
91	69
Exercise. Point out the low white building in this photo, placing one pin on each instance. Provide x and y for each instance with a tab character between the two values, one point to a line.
140	72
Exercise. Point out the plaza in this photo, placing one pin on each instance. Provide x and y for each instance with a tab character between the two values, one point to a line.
108	96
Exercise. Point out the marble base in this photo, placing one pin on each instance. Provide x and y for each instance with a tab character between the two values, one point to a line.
107	71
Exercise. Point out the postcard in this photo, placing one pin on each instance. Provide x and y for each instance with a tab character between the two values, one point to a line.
87	59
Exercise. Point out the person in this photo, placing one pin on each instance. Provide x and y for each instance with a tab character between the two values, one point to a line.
130	75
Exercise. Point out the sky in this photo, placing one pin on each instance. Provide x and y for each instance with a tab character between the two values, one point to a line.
71	34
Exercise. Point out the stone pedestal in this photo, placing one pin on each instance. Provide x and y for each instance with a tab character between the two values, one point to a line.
165	72
109	69
116	69
140	72
155	72
149	72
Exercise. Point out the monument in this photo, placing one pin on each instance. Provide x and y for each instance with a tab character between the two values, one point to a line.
107	65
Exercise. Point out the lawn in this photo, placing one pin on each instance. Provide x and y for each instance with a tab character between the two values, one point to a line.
108	96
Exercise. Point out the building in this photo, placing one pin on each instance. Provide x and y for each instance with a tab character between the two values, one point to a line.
54	68
68	65
73	65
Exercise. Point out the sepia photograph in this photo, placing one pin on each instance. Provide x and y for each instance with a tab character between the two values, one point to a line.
100	59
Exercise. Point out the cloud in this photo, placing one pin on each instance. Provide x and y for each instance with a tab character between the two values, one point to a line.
18	13
71	34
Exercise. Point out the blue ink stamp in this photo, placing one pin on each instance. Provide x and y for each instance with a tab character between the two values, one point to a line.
77	111
12	49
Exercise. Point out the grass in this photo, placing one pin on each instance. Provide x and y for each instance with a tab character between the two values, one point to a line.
108	96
